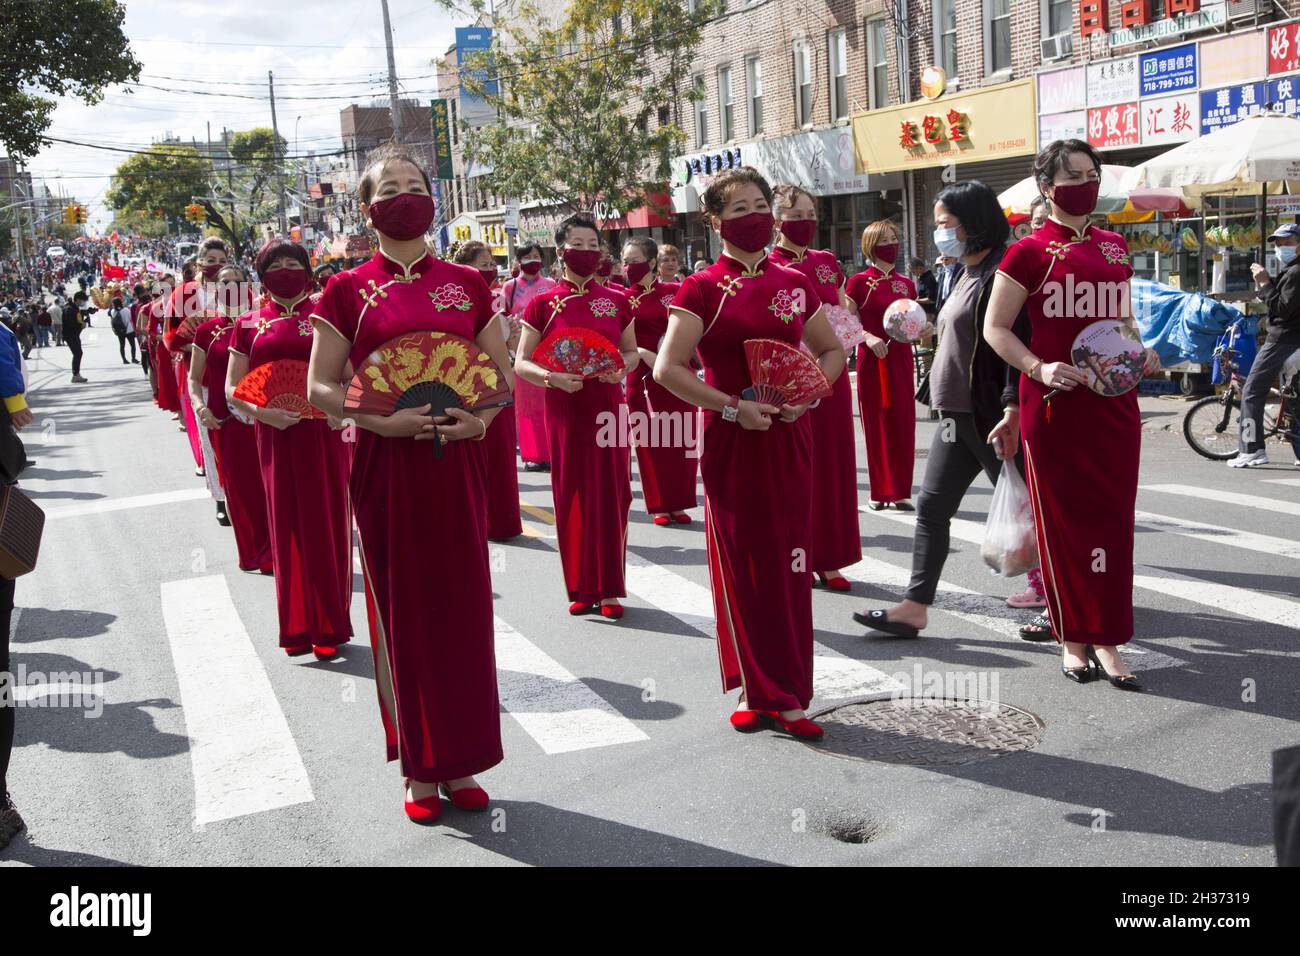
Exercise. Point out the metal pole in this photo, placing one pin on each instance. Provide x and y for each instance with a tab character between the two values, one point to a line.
275	146
392	76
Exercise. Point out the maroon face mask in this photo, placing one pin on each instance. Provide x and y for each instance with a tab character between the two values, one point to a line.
531	267
606	267
1077	199
489	276
799	231
286	283
210	271
636	271
582	262
404	217
886	252
749	233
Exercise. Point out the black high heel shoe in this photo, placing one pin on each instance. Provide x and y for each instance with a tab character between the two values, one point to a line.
1130	682
1080	675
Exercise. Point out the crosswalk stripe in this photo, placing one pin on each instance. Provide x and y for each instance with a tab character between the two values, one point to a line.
553	706
242	753
1291	482
1218	534
123	504
1227	498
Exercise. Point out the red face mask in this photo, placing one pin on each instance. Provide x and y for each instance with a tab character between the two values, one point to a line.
531	268
799	231
606	267
286	283
210	271
636	271
489	276
887	252
1076	199
582	262
749	233
404	217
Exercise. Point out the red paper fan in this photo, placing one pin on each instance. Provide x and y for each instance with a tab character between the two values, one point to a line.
426	368
783	375
278	384
580	352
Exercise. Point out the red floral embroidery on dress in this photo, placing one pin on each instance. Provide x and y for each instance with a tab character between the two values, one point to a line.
825	274
603	308
667	300
304	326
899	286
451	296
785	307
1113	252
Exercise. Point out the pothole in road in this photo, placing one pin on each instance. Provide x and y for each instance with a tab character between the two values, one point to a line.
848	826
926	731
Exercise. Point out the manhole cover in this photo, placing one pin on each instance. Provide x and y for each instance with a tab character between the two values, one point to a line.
927	732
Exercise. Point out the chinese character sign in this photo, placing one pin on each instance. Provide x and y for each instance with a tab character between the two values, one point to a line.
442	166
1112	81
1114	126
1284	48
1170	119
1169	70
1220	108
1284	95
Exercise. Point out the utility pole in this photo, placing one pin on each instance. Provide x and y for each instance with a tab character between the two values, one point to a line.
275	146
392	77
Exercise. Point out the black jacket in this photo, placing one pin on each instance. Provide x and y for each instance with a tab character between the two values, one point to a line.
1282	296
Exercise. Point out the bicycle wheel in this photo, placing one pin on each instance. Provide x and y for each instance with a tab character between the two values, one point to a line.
1212	425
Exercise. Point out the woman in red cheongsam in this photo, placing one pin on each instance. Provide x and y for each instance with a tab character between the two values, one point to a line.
665	430
836	540
303	463
590	463
757	458
886	401
1082	450
420	518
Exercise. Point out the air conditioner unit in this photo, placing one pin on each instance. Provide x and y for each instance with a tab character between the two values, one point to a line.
1057	47
1237	9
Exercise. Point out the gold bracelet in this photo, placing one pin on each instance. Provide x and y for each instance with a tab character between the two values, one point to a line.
1034	368
483	434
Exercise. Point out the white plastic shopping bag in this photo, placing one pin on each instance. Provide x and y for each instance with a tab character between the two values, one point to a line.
1010	546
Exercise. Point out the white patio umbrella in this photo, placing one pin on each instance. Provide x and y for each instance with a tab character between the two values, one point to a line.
1236	160
1116	183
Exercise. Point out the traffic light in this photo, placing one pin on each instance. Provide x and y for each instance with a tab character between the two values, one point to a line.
196	213
82	216
69	215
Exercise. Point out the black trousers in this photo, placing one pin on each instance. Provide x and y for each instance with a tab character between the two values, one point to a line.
122	339
1268	363
73	341
958	454
7	704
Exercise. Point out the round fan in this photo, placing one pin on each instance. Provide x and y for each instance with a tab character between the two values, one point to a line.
278	384
783	375
905	321
578	351
1111	354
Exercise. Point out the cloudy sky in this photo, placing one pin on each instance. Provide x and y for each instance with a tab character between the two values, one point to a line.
325	54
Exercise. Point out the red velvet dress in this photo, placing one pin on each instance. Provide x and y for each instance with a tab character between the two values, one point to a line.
305	474
836	539
886	395
591	465
236	447
757	488
169	399
530	400
423	534
497	460
185	301
665	430
1082	462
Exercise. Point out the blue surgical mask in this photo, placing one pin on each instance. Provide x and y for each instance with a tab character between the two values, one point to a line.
1285	255
946	241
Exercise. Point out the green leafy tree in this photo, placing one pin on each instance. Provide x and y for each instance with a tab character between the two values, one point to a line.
164	176
580	101
70	48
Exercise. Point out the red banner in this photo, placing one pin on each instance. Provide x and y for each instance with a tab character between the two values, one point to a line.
114	272
1112	126
1284	48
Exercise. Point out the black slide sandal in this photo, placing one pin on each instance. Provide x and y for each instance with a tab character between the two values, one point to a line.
1037	631
877	620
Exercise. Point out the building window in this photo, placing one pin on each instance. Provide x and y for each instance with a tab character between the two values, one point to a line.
754	82
701	113
663	116
803	84
1059	17
997	44
878	62
726	130
945	34
837	56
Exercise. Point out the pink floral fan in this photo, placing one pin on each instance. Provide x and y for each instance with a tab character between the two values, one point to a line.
905	321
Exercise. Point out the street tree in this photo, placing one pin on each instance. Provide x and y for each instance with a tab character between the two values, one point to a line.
582	116
72	48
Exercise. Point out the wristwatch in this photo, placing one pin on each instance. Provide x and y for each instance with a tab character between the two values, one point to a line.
732	409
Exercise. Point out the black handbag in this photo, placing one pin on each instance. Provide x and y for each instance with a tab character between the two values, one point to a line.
923	393
13	454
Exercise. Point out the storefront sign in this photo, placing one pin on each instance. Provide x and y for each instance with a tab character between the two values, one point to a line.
1284	95
442	168
1060	91
1220	108
1139	23
1112	81
995	122
1233	59
821	162
1072	125
1111	127
463	229
1284	48
1170	119
689	168
1169	70
474	59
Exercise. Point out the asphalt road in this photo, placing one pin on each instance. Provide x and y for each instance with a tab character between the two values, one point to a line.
211	747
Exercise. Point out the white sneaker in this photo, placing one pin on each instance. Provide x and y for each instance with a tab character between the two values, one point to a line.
1252	460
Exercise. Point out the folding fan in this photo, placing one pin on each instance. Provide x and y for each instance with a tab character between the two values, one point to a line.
426	368
846	325
579	351
278	384
783	375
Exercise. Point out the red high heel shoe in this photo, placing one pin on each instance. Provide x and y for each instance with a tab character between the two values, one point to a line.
681	517
662	520
466	798
746	721
267	569
578	607
840	583
297	650
325	652
611	611
803	728
426	810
